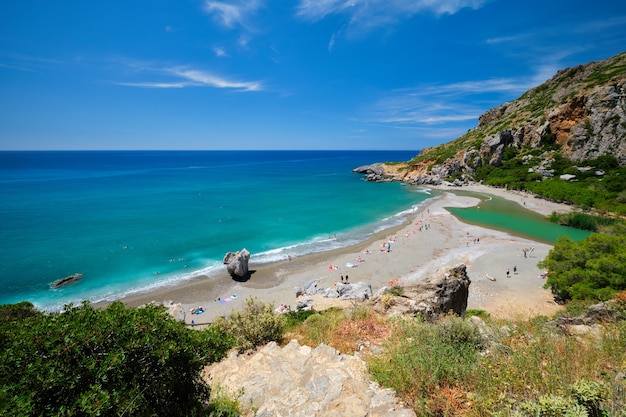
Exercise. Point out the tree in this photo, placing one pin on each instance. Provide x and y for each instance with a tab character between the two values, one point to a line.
113	361
593	268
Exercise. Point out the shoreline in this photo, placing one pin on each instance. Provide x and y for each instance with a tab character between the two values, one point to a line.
415	253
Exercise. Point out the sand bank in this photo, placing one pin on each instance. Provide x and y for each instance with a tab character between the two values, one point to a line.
433	238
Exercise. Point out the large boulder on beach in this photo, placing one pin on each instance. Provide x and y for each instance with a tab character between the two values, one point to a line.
237	263
443	292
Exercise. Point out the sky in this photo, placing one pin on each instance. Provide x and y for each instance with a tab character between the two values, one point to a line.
279	74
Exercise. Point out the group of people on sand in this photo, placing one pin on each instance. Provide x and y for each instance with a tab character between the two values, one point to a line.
508	271
197	310
283	309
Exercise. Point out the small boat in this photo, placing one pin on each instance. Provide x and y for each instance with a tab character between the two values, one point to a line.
489	277
63	281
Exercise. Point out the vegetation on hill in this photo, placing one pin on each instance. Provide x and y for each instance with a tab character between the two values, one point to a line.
139	361
573	124
606	193
456	367
114	361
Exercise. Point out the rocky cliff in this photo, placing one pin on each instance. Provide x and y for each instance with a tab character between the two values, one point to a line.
580	112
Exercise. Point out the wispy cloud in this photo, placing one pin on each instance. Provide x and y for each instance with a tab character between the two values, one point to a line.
453	107
26	63
602	25
183	77
232	13
219	51
368	14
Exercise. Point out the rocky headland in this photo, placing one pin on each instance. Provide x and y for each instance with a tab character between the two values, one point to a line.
582	110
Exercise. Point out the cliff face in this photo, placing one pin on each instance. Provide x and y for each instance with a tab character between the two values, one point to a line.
581	109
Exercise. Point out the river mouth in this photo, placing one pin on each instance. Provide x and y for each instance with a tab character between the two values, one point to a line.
501	214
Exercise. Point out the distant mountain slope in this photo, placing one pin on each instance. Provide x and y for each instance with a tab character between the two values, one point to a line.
580	112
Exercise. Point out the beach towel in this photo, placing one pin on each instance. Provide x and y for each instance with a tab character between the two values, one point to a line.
227	299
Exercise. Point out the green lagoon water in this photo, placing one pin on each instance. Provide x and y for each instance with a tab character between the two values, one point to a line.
499	213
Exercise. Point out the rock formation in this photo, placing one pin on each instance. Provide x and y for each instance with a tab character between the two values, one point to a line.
374	172
591	321
344	291
581	110
443	292
301	381
237	263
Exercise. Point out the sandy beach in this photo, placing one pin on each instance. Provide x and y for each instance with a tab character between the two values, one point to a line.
433	238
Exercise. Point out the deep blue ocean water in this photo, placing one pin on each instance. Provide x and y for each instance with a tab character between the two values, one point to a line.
119	218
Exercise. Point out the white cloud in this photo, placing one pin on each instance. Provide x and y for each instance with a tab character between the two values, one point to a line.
232	13
205	79
182	77
219	51
368	14
450	106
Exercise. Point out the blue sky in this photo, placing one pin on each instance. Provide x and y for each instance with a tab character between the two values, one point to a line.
262	74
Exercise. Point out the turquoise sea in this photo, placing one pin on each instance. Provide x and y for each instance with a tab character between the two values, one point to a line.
132	221
119	218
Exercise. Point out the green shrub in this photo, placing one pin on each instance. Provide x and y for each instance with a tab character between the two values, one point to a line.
297	317
113	361
395	290
585	401
552	406
592	268
255	325
591	395
420	358
224	405
582	221
318	328
16	312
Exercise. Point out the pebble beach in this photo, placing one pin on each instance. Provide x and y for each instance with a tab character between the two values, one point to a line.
432	239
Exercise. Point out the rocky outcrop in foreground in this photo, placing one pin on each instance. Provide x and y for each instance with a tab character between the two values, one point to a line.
443	292
302	381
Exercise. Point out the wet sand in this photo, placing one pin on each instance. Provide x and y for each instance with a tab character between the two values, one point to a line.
416	251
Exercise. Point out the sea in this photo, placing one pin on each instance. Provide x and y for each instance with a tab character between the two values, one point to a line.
136	221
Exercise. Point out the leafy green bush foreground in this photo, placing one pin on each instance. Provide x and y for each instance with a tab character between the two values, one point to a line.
114	361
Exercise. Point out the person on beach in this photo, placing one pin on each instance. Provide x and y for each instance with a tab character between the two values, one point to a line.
341	277
346	278
507	273
514	269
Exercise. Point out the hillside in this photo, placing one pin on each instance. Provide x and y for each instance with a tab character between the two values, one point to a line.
571	128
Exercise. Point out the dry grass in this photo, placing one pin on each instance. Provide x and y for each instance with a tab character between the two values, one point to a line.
344	330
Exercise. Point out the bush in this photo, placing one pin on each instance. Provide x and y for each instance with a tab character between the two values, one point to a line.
256	325
113	361
297	317
585	401
593	268
552	406
421	358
